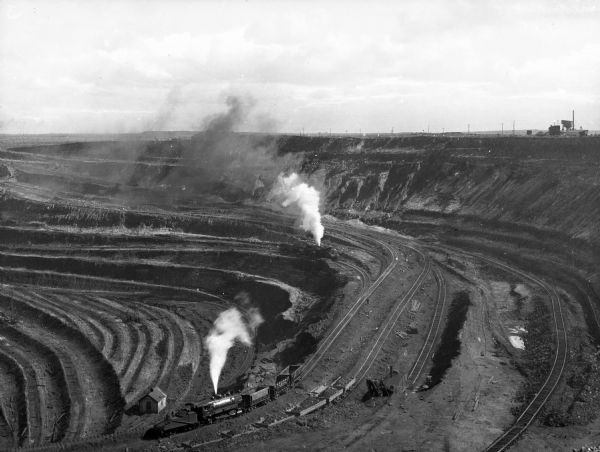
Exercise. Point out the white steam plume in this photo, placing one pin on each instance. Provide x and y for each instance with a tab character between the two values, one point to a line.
254	318
228	327
293	192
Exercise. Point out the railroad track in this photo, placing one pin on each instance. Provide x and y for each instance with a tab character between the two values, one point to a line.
434	327
389	262
529	414
385	330
385	412
123	282
508	438
326	343
391	320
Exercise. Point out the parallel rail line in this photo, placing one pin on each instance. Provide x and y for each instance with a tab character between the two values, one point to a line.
337	330
387	327
392	318
528	415
432	335
363	238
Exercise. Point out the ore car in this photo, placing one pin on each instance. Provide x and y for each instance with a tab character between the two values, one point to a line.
255	398
284	381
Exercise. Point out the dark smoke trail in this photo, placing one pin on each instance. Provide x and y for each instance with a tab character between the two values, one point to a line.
166	110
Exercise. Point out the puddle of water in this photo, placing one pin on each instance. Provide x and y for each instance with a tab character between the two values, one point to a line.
521	290
517	342
517	330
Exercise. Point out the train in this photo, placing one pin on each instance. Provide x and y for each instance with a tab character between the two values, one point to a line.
193	415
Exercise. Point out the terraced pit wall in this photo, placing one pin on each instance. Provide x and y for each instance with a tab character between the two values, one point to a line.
543	187
547	187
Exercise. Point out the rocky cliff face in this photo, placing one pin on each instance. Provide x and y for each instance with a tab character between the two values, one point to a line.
537	199
547	184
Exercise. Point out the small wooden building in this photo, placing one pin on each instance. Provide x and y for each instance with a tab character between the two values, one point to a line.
153	402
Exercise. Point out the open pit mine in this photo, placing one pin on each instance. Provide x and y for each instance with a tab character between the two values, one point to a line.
269	292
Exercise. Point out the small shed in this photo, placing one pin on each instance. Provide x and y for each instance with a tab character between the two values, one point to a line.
153	402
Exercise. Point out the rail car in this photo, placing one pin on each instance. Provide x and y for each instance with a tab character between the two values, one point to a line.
257	398
284	381
325	395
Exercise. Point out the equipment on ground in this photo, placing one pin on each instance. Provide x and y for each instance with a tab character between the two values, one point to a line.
377	388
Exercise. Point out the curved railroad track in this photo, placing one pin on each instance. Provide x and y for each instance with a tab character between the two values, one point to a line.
387	253
384	413
434	327
392	318
528	415
326	342
386	329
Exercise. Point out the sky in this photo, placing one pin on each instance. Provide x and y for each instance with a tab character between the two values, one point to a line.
134	65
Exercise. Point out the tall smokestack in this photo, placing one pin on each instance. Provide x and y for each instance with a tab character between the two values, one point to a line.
573	119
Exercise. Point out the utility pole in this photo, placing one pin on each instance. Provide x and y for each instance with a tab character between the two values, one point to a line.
502	128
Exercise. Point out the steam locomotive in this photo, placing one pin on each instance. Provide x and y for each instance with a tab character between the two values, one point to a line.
194	415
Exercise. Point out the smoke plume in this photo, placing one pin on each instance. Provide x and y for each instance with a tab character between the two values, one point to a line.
292	192
166	111
252	312
229	327
220	160
237	110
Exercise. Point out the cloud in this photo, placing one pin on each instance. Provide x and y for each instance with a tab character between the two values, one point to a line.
435	61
